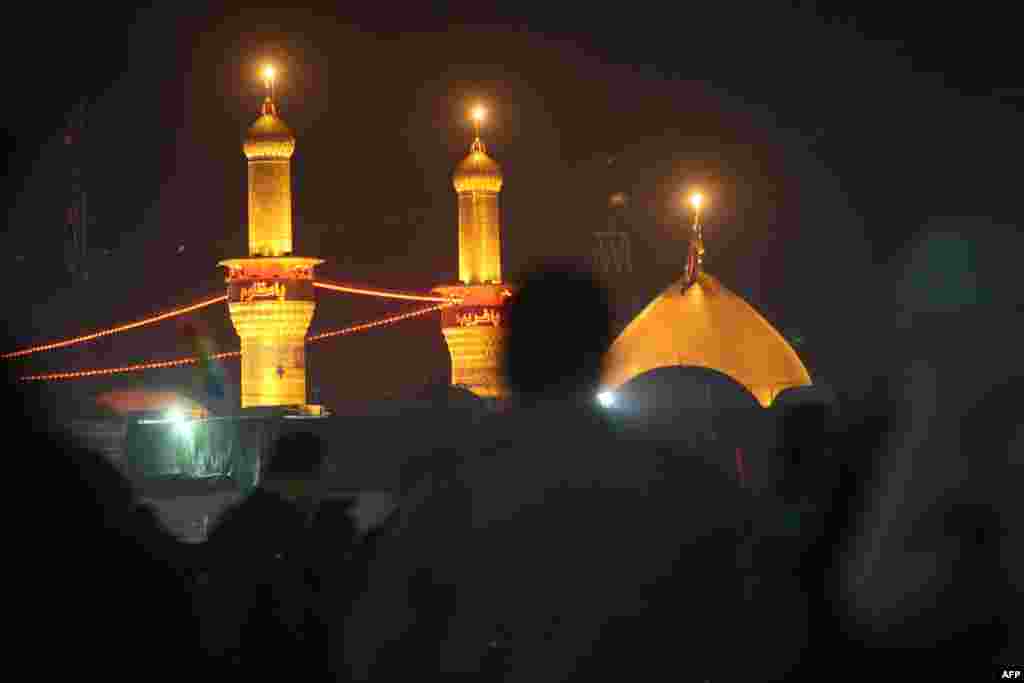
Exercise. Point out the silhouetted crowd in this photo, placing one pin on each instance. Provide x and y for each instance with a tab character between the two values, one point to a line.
556	540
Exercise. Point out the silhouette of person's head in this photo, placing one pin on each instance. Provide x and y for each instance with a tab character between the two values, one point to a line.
803	446
297	460
803	430
560	329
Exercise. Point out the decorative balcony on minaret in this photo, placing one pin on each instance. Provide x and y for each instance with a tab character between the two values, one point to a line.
474	329
270	294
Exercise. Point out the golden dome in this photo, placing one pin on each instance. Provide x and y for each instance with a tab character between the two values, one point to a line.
706	326
477	172
269	137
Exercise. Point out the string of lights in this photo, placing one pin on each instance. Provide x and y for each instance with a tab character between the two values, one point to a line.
347	289
127	368
383	293
80	374
114	330
377	323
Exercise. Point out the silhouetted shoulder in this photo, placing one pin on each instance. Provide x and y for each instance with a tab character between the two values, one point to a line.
261	518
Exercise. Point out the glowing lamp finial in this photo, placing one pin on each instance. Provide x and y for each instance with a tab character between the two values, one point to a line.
477	114
696	200
269	76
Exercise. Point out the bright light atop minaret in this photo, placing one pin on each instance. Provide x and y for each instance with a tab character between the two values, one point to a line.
269	75
477	114
696	200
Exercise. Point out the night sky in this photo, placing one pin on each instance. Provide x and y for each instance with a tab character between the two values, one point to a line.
826	141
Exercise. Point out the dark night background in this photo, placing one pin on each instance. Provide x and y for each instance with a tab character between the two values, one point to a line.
827	142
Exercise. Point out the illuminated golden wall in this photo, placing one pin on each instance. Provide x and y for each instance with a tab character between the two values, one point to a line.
270	207
479	237
476	354
273	335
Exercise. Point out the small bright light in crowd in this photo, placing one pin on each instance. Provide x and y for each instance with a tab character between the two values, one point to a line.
478	114
177	417
696	199
269	73
606	398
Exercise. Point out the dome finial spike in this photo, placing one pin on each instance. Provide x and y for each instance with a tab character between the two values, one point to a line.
269	74
695	255
478	114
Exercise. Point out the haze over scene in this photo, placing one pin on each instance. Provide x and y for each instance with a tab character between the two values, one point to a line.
824	143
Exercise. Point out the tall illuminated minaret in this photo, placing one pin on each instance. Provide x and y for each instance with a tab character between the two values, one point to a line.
270	294
474	329
477	180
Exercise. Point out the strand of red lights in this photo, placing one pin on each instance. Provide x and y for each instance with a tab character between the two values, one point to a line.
377	323
128	368
383	293
114	330
347	289
55	376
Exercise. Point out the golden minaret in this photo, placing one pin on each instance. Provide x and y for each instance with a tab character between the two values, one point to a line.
474	329
270	294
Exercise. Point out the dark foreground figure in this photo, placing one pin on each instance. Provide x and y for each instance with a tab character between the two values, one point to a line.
96	587
560	545
278	571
